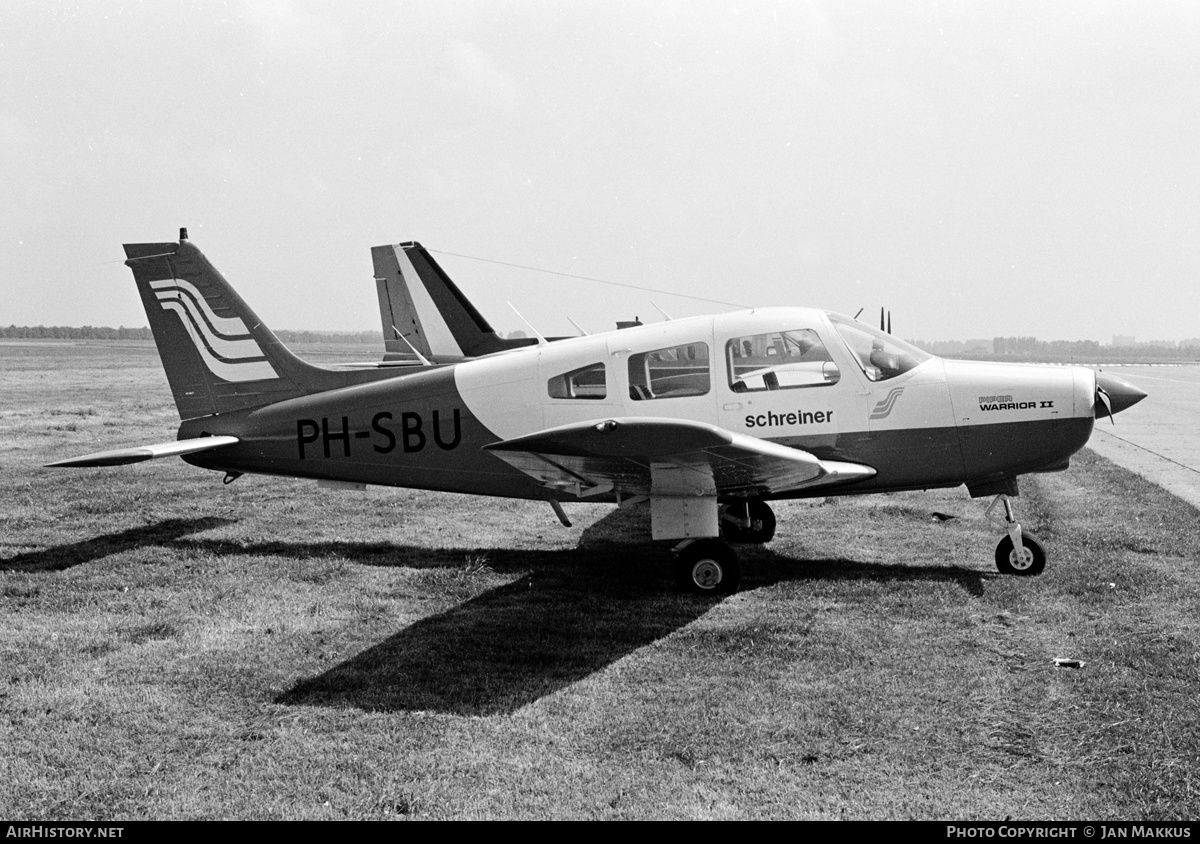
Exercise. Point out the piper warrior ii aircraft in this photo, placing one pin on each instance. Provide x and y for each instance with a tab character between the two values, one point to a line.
706	418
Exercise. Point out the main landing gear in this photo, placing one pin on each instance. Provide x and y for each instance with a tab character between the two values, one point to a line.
706	567
1018	553
702	529
709	566
751	522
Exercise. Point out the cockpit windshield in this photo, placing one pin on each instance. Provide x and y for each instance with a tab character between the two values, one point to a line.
880	355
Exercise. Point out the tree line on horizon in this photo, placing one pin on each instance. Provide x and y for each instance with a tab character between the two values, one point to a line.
1002	348
1032	349
93	332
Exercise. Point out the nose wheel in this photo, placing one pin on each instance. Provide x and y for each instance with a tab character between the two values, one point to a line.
1029	560
1018	553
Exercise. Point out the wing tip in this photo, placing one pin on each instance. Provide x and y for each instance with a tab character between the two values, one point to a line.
89	461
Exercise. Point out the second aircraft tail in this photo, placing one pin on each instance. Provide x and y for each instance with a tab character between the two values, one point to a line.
422	309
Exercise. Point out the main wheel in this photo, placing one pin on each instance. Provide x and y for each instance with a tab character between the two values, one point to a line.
1030	562
762	523
708	567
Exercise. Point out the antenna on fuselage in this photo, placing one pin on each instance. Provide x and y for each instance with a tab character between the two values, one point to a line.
541	340
581	329
661	311
420	356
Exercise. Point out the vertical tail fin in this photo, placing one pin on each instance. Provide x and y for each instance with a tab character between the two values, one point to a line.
218	355
418	299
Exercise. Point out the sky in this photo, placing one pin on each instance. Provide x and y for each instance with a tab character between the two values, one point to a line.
979	168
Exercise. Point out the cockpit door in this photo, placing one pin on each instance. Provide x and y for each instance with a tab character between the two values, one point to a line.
781	378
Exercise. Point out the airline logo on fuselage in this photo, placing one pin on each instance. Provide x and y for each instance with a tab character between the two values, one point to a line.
223	343
797	417
884	408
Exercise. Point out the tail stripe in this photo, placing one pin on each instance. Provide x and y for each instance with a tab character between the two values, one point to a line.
231	350
244	369
230	328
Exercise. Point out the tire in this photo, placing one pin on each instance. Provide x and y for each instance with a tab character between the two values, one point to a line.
708	567
760	515
1031	563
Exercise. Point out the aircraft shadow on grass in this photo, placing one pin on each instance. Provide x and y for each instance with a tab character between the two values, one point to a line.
568	614
60	557
572	614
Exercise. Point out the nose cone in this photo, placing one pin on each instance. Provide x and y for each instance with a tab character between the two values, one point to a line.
1114	394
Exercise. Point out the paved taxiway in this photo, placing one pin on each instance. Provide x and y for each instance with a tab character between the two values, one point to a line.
1159	438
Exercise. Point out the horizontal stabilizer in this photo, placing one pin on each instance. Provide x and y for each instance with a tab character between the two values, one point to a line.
122	456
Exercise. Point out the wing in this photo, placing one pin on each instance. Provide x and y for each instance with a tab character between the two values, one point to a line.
668	457
146	452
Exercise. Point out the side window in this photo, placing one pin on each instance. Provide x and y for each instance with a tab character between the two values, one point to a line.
584	383
669	373
781	360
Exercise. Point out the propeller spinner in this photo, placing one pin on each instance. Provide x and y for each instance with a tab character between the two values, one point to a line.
1114	394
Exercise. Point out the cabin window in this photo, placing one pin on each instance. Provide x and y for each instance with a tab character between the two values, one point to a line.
881	356
584	383
780	360
669	373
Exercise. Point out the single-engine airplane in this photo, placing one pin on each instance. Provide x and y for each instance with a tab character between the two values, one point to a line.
706	418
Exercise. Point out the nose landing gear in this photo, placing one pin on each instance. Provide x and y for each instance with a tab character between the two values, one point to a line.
1018	553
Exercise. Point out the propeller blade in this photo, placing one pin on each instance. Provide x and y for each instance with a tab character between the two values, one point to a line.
1103	397
1114	394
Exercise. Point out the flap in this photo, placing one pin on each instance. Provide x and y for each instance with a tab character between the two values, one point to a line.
667	457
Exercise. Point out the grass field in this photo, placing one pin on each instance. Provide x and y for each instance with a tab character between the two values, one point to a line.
175	648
